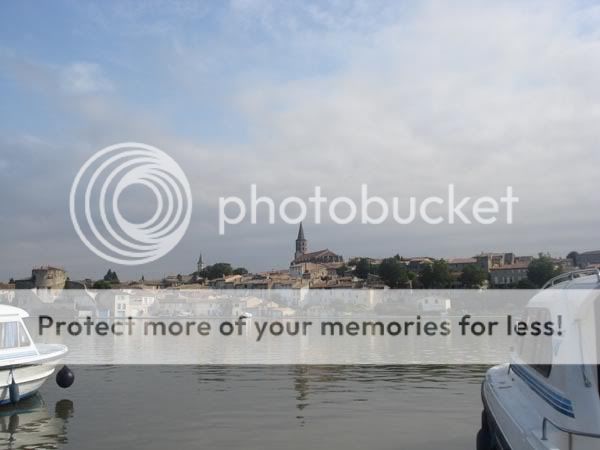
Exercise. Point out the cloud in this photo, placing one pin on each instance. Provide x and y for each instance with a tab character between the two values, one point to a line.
84	78
478	96
405	98
50	79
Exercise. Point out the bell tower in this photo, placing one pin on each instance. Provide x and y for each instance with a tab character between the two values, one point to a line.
200	264
301	244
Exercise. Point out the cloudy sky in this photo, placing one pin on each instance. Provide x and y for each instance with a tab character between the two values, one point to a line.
406	97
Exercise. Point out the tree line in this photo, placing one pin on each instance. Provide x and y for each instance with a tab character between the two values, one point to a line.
437	275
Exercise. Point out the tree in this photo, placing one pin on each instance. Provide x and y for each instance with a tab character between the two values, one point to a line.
341	270
353	261
573	256
525	283
393	273
111	276
240	271
426	277
472	276
436	275
541	270
102	284
363	268
217	270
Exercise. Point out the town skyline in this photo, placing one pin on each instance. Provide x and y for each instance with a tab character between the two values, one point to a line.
302	254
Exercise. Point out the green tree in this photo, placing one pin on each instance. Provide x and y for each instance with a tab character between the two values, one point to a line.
393	273
436	275
472	276
102	284
426	277
341	270
363	268
541	270
111	276
217	270
525	283
240	271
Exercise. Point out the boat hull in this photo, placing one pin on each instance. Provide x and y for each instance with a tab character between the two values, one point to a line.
520	416
29	372
493	437
29	379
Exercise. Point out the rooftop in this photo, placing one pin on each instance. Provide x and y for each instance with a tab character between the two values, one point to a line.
519	265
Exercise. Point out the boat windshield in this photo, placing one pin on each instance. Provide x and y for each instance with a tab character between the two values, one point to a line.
13	335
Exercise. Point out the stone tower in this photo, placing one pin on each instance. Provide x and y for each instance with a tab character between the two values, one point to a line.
200	264
301	244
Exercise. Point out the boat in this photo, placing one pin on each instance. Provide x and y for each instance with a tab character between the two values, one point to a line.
552	404
24	366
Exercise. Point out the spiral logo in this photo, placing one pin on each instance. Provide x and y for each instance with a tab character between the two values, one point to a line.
94	203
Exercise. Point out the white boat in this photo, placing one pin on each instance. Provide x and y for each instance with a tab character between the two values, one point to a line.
22	362
549	406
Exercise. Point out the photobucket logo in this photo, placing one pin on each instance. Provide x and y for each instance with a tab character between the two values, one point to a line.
94	203
375	210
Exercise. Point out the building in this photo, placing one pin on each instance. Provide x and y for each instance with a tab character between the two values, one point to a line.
587	259
308	270
417	264
564	264
125	303
459	264
45	277
225	282
509	274
301	254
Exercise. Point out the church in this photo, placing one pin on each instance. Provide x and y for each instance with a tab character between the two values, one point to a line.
319	257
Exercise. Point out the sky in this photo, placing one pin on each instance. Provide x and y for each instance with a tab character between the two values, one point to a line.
404	96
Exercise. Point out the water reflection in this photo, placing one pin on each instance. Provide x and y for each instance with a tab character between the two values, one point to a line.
254	407
29	424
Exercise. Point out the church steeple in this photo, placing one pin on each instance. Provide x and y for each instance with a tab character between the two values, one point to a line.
301	243
200	264
300	232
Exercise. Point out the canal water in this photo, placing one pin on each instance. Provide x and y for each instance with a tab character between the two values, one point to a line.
253	408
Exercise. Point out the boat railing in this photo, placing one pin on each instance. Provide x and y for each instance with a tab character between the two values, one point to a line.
571	433
571	276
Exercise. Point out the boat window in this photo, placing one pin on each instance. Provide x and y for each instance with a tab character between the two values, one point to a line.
544	347
537	350
23	338
544	369
13	335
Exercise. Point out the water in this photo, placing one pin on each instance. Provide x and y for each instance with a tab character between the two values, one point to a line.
241	407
